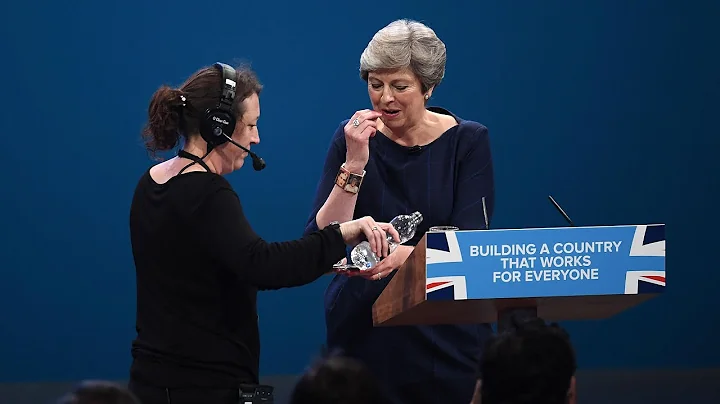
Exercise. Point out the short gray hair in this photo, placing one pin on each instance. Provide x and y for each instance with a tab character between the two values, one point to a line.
406	43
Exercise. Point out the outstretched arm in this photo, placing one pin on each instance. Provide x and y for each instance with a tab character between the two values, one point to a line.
233	244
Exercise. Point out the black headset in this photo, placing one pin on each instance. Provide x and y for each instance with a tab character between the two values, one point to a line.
220	120
218	124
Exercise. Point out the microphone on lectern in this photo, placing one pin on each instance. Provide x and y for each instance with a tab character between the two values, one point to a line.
562	212
485	215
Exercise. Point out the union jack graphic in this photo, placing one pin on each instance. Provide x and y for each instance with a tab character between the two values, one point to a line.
649	241
637	282
442	247
447	288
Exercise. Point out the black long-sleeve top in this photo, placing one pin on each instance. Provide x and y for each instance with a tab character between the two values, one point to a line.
199	265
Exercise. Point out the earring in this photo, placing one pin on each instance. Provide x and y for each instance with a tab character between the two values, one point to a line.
427	97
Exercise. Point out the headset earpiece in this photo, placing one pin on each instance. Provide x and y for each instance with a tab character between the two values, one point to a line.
216	123
220	119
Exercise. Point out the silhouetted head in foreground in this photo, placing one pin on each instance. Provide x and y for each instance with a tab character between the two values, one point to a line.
532	363
99	392
337	380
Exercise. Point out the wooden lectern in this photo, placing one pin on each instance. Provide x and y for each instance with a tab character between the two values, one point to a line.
571	273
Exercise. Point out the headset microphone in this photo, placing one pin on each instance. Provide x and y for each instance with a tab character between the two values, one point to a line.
220	119
258	162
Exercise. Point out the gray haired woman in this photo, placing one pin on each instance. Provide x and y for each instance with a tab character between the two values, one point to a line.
404	156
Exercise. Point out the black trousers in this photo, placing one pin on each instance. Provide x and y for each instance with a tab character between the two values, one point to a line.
158	395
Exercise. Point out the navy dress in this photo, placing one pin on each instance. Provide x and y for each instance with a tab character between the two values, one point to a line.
445	181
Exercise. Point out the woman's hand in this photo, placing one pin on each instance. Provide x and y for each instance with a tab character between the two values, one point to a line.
357	138
389	264
375	233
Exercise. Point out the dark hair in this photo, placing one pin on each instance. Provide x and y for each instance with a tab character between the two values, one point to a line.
337	380
99	392
168	120
532	363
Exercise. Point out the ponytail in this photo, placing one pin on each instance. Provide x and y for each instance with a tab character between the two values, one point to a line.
164	126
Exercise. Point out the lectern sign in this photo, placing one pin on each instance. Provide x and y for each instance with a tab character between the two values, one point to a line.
569	261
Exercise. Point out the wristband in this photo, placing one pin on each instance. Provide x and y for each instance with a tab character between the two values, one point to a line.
347	181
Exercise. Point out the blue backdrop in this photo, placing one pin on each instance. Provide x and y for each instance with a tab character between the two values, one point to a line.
606	105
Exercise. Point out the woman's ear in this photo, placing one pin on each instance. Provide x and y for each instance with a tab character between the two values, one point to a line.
428	93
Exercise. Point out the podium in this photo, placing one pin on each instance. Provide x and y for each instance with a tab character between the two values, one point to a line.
565	273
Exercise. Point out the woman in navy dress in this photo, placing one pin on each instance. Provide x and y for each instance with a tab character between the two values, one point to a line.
399	157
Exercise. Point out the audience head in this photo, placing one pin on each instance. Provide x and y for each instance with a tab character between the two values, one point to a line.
176	113
402	65
337	380
99	392
533	363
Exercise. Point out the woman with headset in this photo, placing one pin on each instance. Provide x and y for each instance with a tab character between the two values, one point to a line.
199	264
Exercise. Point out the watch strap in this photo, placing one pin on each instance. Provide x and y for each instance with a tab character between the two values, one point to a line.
335	226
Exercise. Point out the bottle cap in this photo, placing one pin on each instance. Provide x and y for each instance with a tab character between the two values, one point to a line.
440	229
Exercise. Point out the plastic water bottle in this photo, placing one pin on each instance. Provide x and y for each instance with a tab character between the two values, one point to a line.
406	226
